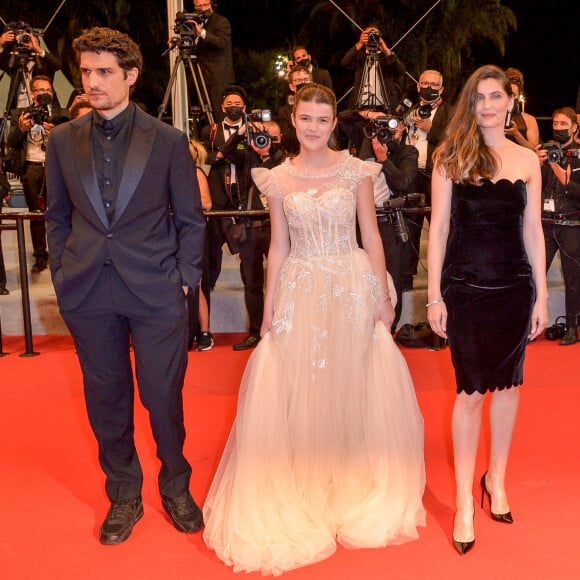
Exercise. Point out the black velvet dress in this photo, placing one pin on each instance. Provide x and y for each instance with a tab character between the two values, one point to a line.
487	285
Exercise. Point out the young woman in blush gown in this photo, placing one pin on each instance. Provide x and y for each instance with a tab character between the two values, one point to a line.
486	281
327	444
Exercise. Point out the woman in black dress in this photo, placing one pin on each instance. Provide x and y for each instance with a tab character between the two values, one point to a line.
486	281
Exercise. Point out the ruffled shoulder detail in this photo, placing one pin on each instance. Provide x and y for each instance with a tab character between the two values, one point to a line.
266	182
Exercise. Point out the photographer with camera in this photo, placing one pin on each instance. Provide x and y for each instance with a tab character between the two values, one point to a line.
27	139
258	142
20	47
561	210
211	36
426	121
371	59
381	138
222	177
297	77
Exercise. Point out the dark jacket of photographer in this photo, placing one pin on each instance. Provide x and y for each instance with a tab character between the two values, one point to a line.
442	115
214	56
400	167
17	139
566	197
236	151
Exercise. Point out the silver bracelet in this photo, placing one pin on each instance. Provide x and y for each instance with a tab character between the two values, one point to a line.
440	299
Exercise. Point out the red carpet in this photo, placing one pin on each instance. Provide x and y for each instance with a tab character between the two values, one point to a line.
52	499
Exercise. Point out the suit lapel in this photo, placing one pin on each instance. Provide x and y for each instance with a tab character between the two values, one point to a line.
82	149
140	145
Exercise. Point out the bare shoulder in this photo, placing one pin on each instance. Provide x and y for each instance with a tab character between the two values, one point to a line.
524	159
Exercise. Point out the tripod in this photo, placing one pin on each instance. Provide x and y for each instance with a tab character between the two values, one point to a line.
372	94
186	56
19	77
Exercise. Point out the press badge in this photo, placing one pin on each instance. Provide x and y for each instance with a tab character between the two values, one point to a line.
549	205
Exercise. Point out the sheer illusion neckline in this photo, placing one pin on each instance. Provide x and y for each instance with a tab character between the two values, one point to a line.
317	173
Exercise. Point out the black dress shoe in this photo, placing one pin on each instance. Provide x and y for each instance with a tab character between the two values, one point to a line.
120	520
39	266
184	513
249	342
4	291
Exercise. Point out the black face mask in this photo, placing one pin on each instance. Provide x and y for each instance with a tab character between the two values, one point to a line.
428	94
561	135
305	63
275	147
234	113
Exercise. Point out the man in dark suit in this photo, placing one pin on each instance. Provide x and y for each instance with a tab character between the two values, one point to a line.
213	48
224	174
126	234
427	122
27	139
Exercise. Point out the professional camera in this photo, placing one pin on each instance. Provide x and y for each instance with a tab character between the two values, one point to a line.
424	111
557	330
185	28
23	33
555	153
383	128
373	40
261	139
39	113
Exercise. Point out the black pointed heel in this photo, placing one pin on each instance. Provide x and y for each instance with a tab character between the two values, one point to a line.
504	518
464	547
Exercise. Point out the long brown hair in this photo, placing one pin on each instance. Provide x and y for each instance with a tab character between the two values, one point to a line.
463	154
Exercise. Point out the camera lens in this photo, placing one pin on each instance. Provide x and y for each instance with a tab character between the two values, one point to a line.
424	111
261	140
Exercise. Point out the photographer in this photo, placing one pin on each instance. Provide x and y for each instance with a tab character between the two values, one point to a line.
297	77
386	60
27	138
426	121
561	203
213	48
381	137
19	46
264	150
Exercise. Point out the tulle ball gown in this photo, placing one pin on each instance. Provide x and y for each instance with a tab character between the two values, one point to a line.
327	444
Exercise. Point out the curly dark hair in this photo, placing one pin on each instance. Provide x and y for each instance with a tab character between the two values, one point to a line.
100	39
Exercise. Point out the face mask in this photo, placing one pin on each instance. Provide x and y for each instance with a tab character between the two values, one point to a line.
275	147
234	113
428	94
304	63
561	135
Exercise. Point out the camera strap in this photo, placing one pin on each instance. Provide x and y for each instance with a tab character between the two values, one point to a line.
212	134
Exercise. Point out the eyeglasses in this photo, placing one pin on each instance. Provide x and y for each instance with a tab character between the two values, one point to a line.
434	85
